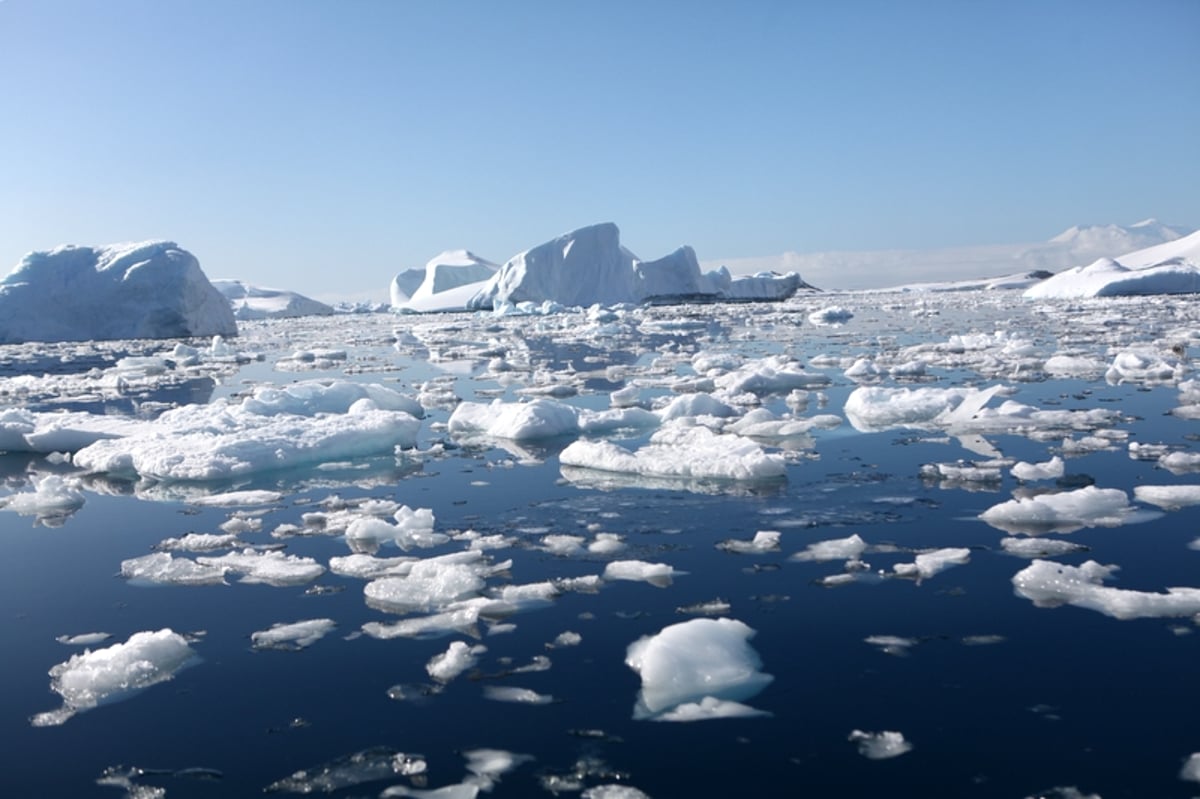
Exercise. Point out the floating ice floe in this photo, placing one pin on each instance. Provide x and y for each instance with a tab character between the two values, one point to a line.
832	315
519	696
227	499
1191	768
764	541
1141	366
53	497
1064	511
485	767
697	669
431	584
83	639
413	530
1050	584
115	673
459	657
659	575
1039	547
892	644
927	564
161	568
880	745
272	430
292	636
1168	497
368	765
613	791
1048	470
689	452
850	548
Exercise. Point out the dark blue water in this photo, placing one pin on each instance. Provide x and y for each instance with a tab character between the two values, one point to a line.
1055	697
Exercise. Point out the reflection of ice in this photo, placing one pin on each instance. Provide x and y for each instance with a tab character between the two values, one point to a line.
54	498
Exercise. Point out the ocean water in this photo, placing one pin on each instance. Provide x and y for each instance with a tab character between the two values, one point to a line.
997	697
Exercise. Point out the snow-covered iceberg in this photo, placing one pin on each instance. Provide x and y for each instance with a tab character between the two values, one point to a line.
447	282
153	289
1170	268
589	266
257	302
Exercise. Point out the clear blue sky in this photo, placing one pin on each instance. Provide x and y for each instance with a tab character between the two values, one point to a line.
324	146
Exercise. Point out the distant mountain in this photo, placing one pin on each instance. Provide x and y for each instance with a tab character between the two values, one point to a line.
887	268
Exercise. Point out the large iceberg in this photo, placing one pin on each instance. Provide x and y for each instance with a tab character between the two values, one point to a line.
447	282
589	266
1170	268
257	302
154	289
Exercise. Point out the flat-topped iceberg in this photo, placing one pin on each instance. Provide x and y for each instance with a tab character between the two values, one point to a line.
152	289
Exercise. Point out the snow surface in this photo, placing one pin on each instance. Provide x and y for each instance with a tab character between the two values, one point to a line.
151	289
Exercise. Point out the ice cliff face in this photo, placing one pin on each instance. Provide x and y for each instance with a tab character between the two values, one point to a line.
147	290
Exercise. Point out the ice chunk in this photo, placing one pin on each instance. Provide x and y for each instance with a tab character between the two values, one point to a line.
272	567
524	421
832	315
459	657
1050	584
849	548
1062	512
874	408
368	765
200	542
892	644
115	673
568	638
430	584
687	663
680	451
613	791
880	745
83	639
1039	547
161	568
1049	470
293	636
606	544
521	696
1191	768
659	575
1168	497
927	564
763	541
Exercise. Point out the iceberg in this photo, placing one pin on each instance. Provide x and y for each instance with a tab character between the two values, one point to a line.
1169	268
153	289
447	282
257	302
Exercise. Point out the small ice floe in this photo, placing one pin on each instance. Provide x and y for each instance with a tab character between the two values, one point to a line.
517	421
1191	768
83	639
459	657
567	638
485	767
689	452
880	745
697	669
369	567
200	542
520	696
1047	470
236	498
1049	584
115	673
982	640
875	408
1065	511
368	765
850	548
1039	547
892	644
269	568
1145	366
1180	462
927	564
764	541
832	315
292	636
431	584
1140	451
605	544
775	374
1168	497
761	424
241	524
1063	792
53	497
1073	366
161	568
714	607
660	575
964	474
413	530
564	546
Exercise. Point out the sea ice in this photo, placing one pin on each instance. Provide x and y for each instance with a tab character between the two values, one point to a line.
687	663
763	541
1191	768
161	568
293	636
368	765
271	567
520	696
1048	470
880	745
1049	584
1064	511
659	575
613	791
524	421
1039	547
115	673
1168	497
849	548
927	564
429	585
459	657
